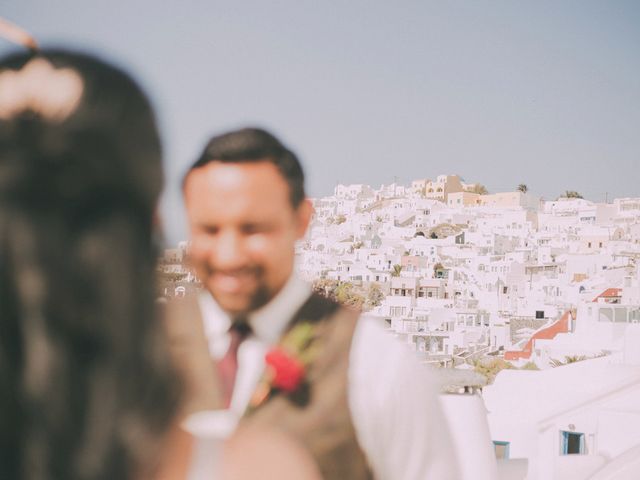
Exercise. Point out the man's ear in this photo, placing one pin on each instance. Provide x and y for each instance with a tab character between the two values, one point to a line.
303	213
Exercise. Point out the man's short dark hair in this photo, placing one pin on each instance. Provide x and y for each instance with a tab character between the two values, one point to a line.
251	145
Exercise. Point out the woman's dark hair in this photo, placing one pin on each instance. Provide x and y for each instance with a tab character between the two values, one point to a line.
87	388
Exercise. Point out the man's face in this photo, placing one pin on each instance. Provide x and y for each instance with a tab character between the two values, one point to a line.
243	231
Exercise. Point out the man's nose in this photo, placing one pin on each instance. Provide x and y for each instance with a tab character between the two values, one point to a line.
228	252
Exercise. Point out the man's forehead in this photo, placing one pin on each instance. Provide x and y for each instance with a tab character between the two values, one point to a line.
235	174
225	180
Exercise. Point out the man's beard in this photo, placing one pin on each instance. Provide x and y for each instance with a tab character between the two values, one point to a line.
257	299
260	298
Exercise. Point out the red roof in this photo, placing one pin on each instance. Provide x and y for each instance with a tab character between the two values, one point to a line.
548	333
609	293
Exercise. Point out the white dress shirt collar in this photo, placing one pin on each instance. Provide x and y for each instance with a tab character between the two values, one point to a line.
268	322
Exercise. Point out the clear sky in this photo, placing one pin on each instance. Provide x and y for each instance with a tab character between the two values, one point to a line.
543	92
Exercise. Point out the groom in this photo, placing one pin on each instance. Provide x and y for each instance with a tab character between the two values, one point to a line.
345	389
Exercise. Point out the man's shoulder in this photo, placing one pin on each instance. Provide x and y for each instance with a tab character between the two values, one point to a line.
183	318
373	344
320	308
317	308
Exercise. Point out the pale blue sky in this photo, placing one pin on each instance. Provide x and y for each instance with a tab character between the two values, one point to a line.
501	92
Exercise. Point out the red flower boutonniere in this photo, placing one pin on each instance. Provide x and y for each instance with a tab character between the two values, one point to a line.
287	370
287	365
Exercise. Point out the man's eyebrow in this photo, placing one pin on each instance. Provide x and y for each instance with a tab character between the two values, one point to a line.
206	224
257	223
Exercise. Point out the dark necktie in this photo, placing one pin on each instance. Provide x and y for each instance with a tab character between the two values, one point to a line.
228	365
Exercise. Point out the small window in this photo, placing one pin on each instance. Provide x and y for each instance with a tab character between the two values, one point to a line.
539	314
572	443
501	449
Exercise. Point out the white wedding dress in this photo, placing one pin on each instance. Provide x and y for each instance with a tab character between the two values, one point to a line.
209	430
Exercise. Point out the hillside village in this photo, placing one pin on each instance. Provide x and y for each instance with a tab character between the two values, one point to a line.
464	275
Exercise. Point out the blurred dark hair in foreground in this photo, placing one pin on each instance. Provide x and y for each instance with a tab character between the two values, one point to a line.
87	386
